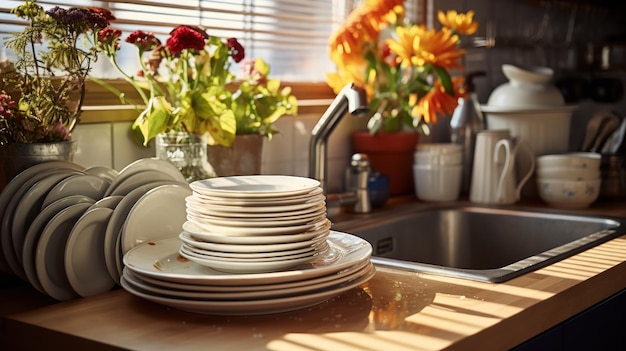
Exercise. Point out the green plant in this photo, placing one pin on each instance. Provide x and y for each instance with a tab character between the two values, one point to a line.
186	85
42	92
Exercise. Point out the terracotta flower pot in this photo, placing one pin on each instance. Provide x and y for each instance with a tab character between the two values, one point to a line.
242	158
391	154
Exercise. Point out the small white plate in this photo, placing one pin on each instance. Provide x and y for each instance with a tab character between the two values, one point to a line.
159	214
50	257
253	257
255	186
253	306
82	184
161	260
258	231
29	248
272	210
251	248
315	194
258	222
200	234
84	254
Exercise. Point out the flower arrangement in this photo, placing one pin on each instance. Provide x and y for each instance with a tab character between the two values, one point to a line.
186	85
42	92
404	67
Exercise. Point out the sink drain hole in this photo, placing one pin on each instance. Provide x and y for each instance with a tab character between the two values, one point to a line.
384	246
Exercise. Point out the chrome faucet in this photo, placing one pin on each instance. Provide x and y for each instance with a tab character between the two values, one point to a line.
351	99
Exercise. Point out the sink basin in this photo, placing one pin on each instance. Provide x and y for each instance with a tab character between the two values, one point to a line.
478	243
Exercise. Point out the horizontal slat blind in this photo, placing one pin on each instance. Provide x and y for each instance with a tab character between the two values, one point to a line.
292	35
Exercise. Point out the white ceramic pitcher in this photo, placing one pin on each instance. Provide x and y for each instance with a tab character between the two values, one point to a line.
493	175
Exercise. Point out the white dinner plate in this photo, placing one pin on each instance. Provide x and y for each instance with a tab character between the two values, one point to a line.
253	306
201	234
82	184
50	257
29	247
29	206
139	282
161	260
108	202
255	186
152	164
116	222
128	184
7	220
106	173
15	184
251	248
324	279
84	254
159	214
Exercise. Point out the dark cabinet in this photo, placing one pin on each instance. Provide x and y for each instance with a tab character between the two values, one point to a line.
601	327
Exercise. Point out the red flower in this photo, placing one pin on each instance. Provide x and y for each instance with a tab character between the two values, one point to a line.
186	37
145	41
236	50
109	37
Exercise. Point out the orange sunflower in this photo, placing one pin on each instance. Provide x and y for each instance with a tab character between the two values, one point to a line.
418	46
462	23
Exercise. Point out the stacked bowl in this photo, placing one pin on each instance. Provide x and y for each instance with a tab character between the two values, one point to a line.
437	171
570	180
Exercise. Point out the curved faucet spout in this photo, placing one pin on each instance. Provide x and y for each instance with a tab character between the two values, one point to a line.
351	98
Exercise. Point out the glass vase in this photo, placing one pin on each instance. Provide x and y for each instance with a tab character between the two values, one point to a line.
186	151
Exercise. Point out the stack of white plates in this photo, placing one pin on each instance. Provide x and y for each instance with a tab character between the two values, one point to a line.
64	228
156	271
254	224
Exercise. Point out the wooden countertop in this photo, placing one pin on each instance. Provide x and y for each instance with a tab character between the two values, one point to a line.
396	310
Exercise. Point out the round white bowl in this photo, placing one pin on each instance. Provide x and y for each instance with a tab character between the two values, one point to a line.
442	159
439	148
588	160
568	173
437	183
568	194
526	88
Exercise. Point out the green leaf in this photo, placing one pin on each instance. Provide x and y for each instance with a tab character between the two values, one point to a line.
444	78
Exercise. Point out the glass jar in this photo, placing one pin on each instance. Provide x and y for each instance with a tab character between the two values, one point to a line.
186	151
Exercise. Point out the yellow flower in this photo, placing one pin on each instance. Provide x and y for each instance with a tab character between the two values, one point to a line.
462	23
417	46
437	101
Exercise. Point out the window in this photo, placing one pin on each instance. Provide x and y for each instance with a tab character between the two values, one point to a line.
291	35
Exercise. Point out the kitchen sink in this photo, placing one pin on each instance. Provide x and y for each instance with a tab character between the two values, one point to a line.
480	243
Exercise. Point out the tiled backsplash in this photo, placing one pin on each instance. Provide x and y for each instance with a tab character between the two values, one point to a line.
110	144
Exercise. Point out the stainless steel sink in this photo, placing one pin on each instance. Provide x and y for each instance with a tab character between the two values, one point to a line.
479	243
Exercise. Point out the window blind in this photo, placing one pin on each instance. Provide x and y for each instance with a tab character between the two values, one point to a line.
291	35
